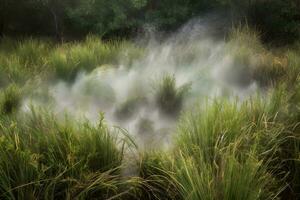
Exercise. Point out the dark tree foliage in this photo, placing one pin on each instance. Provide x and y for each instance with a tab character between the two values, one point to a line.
277	19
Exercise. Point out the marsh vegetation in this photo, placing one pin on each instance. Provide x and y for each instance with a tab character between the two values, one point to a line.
186	115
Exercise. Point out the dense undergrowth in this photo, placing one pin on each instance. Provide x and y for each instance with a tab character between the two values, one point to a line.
223	149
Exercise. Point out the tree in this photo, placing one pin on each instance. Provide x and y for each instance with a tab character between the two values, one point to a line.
3	14
102	17
57	11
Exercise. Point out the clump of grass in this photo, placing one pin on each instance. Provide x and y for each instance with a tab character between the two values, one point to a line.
61	67
244	46
271	71
42	157
16	71
23	59
293	67
88	55
10	100
244	36
32	52
169	98
227	178
155	170
145	126
82	57
261	135
253	62
127	109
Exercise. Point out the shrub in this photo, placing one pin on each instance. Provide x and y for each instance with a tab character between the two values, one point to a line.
278	19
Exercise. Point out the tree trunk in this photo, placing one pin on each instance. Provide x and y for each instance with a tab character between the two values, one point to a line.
1	27
2	18
56	26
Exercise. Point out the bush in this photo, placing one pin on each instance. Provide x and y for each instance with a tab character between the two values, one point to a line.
278	20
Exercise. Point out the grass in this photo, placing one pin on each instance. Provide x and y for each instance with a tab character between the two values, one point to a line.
222	149
43	158
26	58
127	109
170	97
10	99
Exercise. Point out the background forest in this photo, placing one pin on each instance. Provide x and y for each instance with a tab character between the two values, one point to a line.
66	19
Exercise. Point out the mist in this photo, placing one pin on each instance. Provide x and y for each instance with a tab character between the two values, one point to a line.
197	58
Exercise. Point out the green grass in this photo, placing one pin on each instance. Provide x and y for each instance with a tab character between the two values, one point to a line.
170	97
44	158
222	149
23	59
127	109
10	99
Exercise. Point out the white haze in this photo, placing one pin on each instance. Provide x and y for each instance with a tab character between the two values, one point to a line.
193	55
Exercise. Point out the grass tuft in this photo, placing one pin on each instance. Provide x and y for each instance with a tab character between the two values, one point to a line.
169	97
10	100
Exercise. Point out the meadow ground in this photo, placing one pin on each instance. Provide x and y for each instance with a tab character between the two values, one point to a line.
222	149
